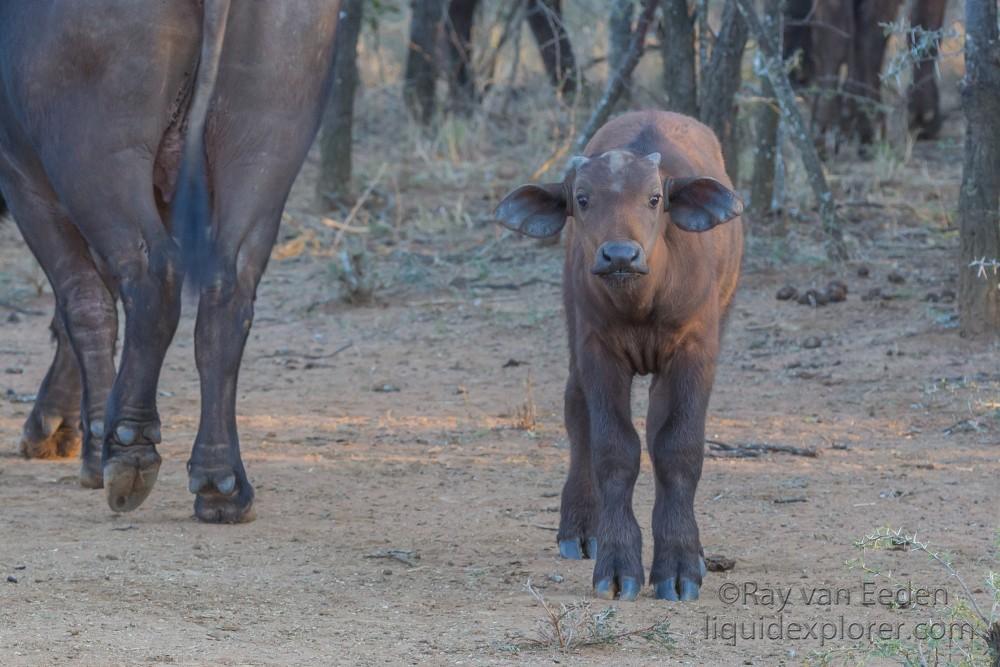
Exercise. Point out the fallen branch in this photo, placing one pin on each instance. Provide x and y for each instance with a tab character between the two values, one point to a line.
753	450
18	309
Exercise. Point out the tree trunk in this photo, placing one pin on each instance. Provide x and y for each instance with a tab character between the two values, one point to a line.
461	78
420	78
546	23
924	101
766	122
338	117
774	69
979	199
619	31
679	61
618	78
721	80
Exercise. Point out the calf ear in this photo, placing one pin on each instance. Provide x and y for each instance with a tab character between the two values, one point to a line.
700	203
535	210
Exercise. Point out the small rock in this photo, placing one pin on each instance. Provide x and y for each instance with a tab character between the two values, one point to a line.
555	577
811	343
385	388
13	370
947	295
896	278
836	291
11	579
863	271
13	318
785	293
514	363
932	297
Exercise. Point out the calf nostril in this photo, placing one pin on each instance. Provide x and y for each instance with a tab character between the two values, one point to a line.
635	254
605	255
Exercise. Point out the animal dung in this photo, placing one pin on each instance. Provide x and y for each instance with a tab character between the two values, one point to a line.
835	292
785	293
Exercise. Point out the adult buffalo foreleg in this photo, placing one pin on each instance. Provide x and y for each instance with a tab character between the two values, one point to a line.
85	325
615	453
675	435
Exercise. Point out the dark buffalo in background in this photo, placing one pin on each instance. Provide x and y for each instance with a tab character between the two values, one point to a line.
115	117
833	34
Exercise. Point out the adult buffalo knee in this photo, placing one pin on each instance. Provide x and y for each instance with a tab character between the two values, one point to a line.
652	259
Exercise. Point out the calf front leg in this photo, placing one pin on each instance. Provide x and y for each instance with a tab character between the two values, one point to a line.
614	461
678	401
577	535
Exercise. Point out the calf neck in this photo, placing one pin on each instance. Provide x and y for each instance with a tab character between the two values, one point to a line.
650	272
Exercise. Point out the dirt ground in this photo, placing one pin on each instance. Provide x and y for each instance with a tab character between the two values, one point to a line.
431	423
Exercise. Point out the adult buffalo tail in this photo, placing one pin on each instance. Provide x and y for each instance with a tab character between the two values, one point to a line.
191	215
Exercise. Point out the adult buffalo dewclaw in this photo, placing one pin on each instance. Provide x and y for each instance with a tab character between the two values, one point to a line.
123	124
649	275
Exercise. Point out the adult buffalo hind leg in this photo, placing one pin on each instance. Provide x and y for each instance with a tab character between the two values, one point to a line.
678	401
85	324
614	460
216	474
577	536
52	430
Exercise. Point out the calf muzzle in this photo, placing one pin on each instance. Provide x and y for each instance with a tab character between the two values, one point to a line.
620	258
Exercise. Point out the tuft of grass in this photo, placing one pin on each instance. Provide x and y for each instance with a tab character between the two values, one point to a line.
981	648
577	625
526	414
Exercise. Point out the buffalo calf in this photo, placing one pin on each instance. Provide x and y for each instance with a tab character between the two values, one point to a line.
649	275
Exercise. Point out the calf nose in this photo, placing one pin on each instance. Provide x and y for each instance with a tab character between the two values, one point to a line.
620	257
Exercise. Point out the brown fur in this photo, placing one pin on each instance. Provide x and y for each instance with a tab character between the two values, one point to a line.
666	322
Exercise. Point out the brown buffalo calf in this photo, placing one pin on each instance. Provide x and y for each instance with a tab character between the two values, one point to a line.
650	272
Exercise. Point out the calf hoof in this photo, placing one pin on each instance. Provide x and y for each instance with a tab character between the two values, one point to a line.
681	587
618	572
131	464
622	587
49	437
576	549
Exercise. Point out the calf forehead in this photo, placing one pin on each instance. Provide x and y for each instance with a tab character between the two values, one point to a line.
618	170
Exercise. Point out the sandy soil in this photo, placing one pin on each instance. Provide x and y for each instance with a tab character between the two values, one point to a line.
902	411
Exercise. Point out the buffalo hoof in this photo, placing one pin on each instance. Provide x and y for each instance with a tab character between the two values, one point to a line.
576	549
217	478
131	464
622	587
237	507
49	437
681	588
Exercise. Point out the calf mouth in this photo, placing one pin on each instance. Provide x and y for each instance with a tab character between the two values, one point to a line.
621	277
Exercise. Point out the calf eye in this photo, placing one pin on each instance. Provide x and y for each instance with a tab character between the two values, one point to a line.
582	201
654	201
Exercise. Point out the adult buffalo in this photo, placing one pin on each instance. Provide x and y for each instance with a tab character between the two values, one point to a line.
114	116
